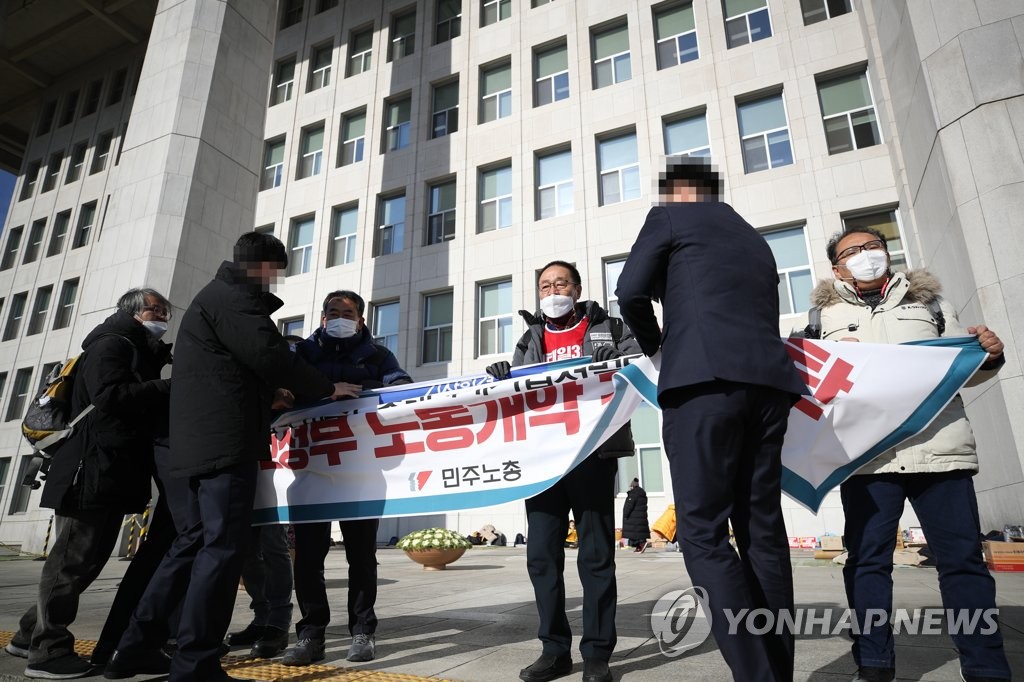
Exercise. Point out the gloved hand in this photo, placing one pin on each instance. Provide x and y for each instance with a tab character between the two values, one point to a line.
603	353
500	370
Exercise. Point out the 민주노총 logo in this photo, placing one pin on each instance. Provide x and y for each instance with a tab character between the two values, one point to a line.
681	620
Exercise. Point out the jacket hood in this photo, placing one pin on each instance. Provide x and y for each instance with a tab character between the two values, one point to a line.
120	323
924	288
230	273
594	313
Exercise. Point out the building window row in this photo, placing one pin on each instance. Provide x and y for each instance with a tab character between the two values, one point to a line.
41	307
75	165
32	247
82	102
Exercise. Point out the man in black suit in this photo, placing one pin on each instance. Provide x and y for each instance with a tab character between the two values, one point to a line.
726	387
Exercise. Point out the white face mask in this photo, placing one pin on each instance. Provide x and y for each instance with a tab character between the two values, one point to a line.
867	266
556	306
156	328
340	328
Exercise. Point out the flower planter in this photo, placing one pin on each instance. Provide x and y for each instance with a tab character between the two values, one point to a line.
435	548
435	559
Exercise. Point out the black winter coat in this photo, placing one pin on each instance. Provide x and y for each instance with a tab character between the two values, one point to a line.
229	359
357	360
108	461
635	525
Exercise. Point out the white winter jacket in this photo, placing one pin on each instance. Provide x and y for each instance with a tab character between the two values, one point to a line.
903	315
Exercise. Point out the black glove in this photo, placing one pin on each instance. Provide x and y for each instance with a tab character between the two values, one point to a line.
500	370
603	353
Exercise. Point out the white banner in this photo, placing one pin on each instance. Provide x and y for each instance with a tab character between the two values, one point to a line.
418	449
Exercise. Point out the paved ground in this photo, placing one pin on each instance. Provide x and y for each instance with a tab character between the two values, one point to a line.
476	620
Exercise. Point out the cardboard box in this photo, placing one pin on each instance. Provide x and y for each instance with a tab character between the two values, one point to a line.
827	553
1004	556
831	542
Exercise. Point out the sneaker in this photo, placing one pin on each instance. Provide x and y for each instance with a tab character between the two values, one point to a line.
872	674
65	667
124	664
547	667
247	637
641	548
596	670
362	649
18	648
304	652
272	643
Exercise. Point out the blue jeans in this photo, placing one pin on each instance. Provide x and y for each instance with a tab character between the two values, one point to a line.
945	504
267	574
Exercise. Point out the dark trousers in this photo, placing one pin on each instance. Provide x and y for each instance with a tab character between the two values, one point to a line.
946	505
267	574
724	446
588	491
201	569
84	542
312	541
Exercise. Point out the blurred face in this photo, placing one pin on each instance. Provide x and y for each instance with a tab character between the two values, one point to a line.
153	311
558	280
852	245
343	308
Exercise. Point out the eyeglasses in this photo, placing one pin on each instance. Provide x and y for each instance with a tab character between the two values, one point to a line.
157	310
557	285
873	245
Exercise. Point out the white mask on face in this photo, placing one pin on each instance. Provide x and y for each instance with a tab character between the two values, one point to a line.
340	328
156	328
556	306
867	266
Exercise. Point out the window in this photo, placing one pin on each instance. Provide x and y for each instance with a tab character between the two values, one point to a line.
21	493
611	56
399	125
342	248
495	315
284	79
676	35
117	87
821	10
39	310
35	240
449	20
792	257
551	75
353	137
646	466
403	35
746	21
52	171
320	67
46	119
324	5
292	326
28	187
441	219
496	89
300	245
612	270
86	217
273	164
495	199
848	113
538	3
11	248
764	134
291	12
445	118
493	11
76	163
437	327
99	159
92	98
66	303
5	462
887	222
311	152
390	226
14	315
554	184
67	114
360	51
59	234
384	325
687	136
620	169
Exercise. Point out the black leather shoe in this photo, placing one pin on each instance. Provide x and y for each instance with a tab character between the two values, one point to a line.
596	670
272	643
247	637
142	663
547	667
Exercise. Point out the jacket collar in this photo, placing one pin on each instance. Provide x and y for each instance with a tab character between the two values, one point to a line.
233	275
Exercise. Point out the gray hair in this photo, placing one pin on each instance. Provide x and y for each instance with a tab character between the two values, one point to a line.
133	301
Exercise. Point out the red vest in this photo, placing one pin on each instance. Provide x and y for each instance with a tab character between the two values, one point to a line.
563	344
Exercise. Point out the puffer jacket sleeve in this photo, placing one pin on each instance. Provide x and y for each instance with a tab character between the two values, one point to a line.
111	384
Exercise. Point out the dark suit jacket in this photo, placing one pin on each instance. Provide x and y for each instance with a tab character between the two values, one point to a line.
718	284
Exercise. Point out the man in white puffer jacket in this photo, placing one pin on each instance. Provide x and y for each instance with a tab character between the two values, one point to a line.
868	302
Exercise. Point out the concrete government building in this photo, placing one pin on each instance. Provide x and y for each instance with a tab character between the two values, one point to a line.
433	154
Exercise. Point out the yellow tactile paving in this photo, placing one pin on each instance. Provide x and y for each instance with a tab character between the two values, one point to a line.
271	670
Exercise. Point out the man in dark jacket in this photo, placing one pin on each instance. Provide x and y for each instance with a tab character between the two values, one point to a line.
635	526
230	358
343	349
726	387
566	327
101	473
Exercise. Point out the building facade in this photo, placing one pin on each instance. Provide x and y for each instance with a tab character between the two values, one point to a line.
433	155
